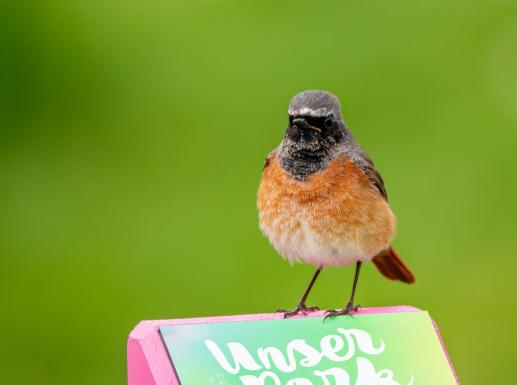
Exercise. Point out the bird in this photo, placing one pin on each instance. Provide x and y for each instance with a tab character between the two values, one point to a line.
322	202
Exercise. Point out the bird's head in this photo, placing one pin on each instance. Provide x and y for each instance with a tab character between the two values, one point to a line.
315	134
315	119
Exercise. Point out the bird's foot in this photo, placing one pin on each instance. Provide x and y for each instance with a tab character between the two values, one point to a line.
348	310
300	309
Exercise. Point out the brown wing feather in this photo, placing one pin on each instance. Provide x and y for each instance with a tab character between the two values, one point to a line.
365	164
267	161
377	181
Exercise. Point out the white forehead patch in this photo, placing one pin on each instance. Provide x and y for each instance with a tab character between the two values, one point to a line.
309	111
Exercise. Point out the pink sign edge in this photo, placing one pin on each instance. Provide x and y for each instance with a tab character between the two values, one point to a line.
148	361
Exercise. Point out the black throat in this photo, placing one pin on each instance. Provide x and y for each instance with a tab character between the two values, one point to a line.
301	163
309	145
301	159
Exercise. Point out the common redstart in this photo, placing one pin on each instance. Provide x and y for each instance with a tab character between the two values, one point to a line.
322	202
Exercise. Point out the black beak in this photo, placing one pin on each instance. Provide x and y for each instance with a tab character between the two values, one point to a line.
302	123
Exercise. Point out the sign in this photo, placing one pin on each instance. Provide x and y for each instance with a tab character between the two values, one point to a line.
371	349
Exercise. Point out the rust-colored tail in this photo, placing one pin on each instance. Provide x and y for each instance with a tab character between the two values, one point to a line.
392	267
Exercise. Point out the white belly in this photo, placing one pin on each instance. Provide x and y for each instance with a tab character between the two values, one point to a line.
298	242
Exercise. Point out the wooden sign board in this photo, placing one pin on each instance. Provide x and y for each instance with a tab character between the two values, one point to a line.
377	346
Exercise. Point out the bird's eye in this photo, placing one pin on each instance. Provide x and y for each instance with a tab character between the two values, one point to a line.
328	122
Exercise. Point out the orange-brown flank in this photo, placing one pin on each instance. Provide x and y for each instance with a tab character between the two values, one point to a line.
336	217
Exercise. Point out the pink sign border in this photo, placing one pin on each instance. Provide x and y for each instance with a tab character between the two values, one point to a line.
148	362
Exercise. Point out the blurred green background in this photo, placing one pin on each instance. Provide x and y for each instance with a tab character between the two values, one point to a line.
132	137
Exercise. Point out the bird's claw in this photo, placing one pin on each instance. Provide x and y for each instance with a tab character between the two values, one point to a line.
300	309
348	310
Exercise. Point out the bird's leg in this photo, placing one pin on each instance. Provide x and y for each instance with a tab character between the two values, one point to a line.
301	307
350	307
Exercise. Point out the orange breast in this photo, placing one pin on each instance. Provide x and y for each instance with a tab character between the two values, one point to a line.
336	217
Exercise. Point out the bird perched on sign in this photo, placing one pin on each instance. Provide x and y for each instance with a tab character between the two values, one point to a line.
322	202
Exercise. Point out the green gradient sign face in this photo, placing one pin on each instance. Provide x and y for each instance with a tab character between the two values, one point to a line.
377	349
